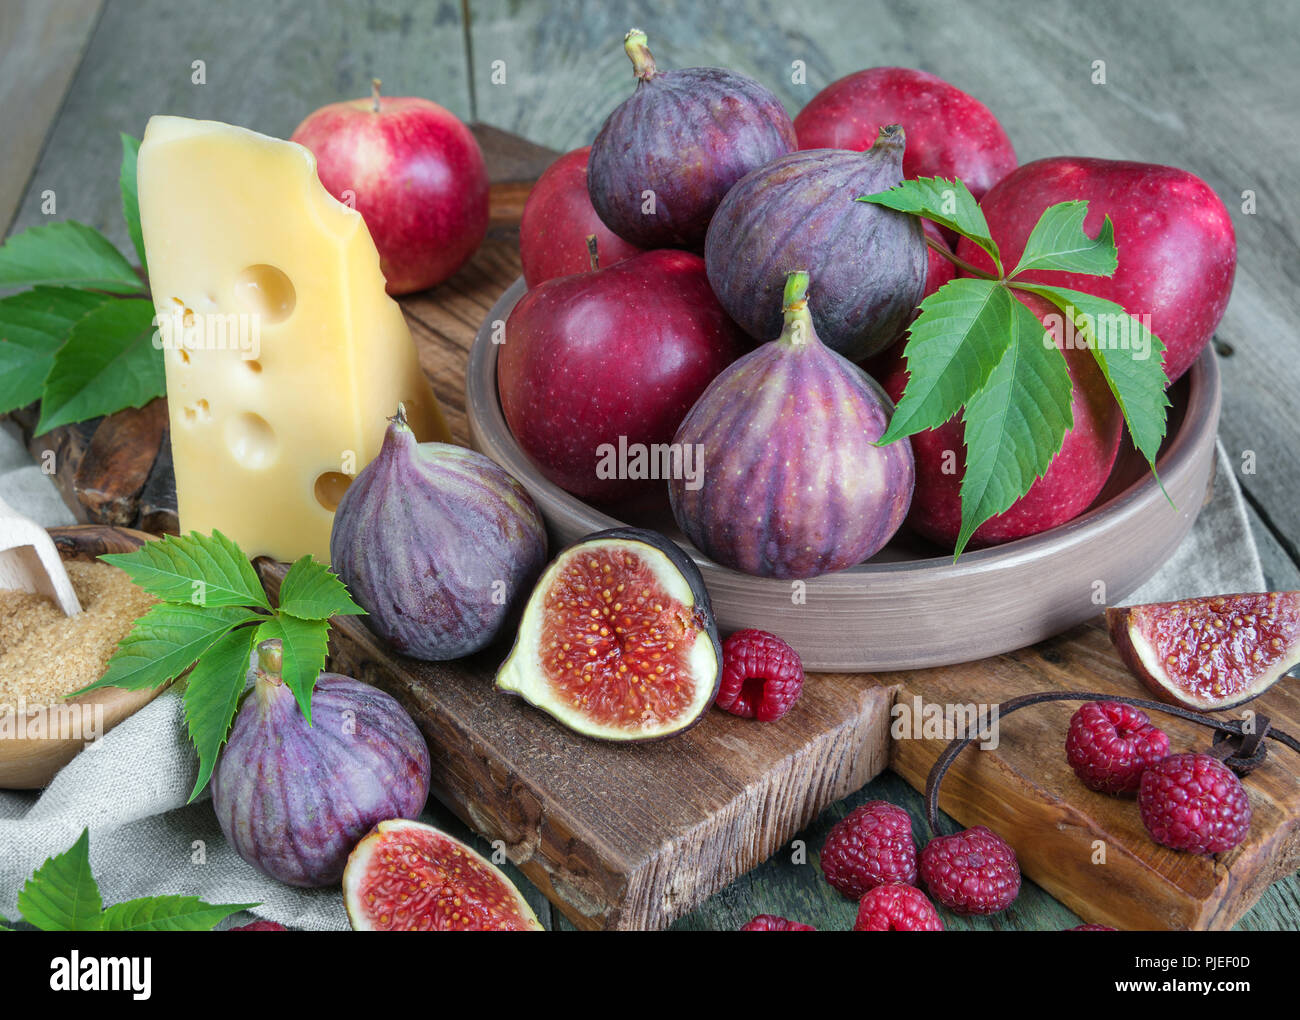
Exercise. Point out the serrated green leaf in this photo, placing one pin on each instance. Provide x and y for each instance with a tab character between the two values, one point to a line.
1130	357
960	335
212	694
1015	424
66	254
165	642
947	203
33	325
62	894
168	913
310	591
1058	243
196	569
303	645
131	197
108	362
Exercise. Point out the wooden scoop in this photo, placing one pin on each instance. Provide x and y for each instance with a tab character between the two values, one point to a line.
29	561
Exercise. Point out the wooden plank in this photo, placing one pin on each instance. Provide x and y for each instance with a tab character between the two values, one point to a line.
42	44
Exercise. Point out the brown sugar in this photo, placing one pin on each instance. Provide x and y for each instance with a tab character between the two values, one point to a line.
44	654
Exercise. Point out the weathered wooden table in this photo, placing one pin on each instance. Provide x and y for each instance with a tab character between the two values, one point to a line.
1205	86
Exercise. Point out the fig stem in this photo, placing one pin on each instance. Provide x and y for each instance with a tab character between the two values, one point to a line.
592	252
400	417
1231	727
643	62
270	659
375	83
798	328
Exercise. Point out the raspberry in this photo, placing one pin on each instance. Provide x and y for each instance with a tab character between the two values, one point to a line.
770	922
260	926
1194	802
761	676
971	872
896	908
870	846
1109	745
1090	927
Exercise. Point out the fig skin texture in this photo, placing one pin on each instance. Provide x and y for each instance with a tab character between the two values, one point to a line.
408	876
1213	653
425	537
949	133
294	797
868	263
557	220
1073	480
685	137
794	485
1177	247
525	674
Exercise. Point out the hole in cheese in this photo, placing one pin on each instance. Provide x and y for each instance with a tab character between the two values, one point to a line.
330	487
266	291
254	366
251	440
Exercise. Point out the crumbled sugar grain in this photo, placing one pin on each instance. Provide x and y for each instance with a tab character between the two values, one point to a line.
44	654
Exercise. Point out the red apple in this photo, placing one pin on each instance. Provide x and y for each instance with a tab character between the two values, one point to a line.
949	133
558	218
416	175
1075	477
618	353
1177	248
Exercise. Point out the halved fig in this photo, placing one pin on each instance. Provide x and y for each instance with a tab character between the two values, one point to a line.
618	640
408	876
1210	653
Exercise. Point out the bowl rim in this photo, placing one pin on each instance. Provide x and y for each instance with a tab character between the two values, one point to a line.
1204	396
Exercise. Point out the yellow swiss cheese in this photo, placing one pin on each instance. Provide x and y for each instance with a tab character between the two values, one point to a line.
284	355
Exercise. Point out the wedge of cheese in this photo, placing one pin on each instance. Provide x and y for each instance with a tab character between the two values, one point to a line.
285	357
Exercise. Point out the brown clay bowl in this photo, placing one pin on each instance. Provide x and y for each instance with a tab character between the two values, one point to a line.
29	763
911	605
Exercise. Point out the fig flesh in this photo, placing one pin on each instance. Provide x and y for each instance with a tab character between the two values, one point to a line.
618	640
1210	653
408	876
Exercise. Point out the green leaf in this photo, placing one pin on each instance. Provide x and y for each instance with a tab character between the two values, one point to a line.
62	894
947	203
201	570
1131	358
303	644
108	362
68	254
130	196
212	694
1058	243
33	325
165	642
311	592
1015	424
953	345
168	913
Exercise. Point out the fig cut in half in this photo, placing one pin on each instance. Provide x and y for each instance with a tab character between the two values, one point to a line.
618	640
408	876
1210	653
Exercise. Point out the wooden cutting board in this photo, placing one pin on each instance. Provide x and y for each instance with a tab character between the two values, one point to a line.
632	837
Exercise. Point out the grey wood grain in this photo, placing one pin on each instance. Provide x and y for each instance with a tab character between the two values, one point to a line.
268	63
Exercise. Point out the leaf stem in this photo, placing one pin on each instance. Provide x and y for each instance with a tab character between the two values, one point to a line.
960	263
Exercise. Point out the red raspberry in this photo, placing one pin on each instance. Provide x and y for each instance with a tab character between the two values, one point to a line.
761	676
260	926
870	846
1193	802
1090	927
770	922
1109	745
896	908
971	872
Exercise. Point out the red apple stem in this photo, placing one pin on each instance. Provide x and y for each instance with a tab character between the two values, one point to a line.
1241	751
592	252
375	84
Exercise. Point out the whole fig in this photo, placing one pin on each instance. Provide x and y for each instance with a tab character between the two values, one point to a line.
802	210
437	544
293	797
794	485
669	152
